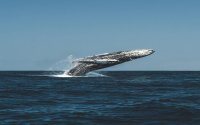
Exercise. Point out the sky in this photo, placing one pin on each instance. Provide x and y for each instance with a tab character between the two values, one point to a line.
42	34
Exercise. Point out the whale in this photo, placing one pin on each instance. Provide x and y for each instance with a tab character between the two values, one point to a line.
91	63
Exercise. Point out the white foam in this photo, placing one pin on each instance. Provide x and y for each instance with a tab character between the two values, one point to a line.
61	75
64	75
64	64
95	74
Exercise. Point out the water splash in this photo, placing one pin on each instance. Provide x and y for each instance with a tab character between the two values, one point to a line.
63	65
90	74
95	74
63	75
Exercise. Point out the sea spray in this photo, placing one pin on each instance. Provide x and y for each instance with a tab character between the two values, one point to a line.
63	65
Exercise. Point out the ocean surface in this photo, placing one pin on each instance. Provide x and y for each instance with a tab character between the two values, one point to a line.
104	98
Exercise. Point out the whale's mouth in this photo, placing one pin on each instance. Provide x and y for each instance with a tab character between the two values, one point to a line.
151	51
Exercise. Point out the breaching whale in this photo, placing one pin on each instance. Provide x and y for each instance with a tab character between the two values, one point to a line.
91	63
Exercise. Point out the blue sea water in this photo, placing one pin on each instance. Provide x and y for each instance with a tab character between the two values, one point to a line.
117	98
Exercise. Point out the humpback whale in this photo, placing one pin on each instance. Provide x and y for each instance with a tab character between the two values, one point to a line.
91	63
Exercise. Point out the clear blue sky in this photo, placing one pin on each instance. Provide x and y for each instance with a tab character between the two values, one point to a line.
36	34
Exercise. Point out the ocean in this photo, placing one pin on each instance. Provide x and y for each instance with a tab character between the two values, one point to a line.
103	98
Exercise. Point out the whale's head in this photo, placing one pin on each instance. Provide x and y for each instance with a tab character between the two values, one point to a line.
138	53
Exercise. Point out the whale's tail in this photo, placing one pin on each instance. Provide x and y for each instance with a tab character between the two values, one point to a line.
91	63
